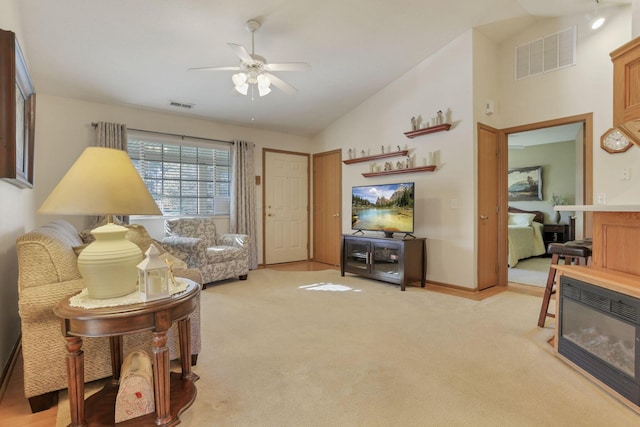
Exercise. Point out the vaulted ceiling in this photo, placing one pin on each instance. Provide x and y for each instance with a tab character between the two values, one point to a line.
137	52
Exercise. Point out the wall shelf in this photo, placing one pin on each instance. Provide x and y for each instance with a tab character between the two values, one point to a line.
397	171
376	157
432	129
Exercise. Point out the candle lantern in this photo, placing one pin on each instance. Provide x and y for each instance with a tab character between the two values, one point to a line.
153	276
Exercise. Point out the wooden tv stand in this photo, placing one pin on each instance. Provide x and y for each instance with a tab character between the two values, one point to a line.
392	260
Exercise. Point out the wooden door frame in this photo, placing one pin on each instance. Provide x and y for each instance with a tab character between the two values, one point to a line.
313	218
503	164
264	201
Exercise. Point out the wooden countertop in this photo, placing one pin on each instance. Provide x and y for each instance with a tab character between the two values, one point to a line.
624	283
598	208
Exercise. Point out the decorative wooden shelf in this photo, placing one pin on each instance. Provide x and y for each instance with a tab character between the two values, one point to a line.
376	157
432	129
397	171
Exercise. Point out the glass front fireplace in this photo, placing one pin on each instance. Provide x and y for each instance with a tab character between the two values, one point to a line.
599	330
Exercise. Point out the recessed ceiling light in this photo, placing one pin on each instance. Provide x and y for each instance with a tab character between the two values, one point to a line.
598	19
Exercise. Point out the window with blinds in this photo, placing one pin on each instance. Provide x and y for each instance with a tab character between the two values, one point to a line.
184	179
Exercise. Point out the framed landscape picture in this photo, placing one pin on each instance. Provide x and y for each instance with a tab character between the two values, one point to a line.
525	183
17	114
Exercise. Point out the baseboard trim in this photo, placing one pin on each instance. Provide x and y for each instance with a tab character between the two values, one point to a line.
461	291
8	369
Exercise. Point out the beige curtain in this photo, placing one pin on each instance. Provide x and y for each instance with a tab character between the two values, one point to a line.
111	135
243	197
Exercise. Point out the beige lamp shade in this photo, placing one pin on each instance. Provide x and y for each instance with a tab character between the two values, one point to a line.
103	181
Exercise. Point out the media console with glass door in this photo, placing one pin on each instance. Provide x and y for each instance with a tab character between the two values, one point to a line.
392	260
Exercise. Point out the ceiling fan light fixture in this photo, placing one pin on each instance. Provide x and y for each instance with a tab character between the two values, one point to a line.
263	81
262	91
243	89
240	83
239	79
252	66
263	85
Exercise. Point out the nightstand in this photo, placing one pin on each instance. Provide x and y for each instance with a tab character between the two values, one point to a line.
555	233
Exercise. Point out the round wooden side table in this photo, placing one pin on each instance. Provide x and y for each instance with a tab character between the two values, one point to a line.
173	392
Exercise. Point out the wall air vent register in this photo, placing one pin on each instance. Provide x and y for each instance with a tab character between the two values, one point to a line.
549	53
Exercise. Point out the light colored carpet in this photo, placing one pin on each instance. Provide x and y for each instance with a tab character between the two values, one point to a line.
531	271
279	351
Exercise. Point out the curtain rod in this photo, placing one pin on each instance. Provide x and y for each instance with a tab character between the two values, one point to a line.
94	124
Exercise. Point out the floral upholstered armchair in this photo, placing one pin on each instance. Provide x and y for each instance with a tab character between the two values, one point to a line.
217	256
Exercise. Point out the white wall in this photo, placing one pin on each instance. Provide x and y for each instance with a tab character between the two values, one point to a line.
441	82
16	206
635	4
450	79
586	87
63	130
485	82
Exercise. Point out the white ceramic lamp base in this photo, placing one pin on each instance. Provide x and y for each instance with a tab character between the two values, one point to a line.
108	265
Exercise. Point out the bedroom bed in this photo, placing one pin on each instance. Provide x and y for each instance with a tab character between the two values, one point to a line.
525	235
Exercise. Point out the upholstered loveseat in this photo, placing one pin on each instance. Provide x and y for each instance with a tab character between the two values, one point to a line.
48	272
218	257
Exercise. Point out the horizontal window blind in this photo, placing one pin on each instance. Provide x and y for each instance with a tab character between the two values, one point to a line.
184	179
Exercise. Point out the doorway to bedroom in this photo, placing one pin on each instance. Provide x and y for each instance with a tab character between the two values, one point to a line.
555	159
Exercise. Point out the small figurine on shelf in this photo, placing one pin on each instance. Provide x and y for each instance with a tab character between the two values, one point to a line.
362	153
399	148
388	166
382	148
414	123
350	154
440	118
399	165
408	165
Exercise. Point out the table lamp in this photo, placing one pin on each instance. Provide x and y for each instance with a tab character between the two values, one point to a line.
103	181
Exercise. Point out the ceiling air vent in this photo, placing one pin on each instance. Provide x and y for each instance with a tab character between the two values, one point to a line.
180	105
551	52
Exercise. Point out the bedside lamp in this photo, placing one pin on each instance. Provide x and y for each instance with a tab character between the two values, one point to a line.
103	181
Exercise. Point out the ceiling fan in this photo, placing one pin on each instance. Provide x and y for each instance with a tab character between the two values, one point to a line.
255	70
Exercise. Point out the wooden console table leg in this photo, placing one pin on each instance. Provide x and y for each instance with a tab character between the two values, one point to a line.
75	380
184	332
161	378
116	357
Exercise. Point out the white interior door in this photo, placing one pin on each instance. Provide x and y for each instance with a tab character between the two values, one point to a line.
286	207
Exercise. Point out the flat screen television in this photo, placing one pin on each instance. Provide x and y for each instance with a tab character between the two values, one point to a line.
383	207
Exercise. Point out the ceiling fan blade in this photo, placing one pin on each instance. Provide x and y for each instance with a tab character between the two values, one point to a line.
241	52
281	84
215	69
288	66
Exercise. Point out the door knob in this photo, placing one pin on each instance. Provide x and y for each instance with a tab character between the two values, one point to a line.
270	214
484	217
